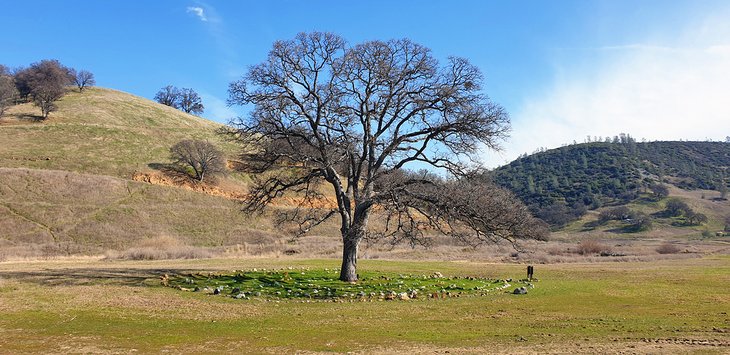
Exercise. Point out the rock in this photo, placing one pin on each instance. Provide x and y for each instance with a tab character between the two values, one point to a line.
437	275
413	294
240	296
520	291
390	295
403	296
236	290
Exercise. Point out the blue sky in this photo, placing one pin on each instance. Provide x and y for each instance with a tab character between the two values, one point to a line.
562	69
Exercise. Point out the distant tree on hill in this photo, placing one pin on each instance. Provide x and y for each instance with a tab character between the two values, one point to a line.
184	99
659	191
199	159
169	96
21	77
8	91
695	218
676	207
616	214
83	78
189	101
639	223
46	82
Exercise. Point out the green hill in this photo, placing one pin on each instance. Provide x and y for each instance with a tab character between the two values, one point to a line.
561	184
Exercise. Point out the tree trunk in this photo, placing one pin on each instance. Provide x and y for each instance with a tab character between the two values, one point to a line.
350	242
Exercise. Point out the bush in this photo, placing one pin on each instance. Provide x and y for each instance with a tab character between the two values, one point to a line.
659	191
198	158
676	207
616	214
667	248
590	247
161	248
639	223
695	219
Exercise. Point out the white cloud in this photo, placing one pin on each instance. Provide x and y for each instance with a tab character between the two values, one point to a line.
197	11
648	91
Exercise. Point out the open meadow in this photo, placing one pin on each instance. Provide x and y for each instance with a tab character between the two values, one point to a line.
91	305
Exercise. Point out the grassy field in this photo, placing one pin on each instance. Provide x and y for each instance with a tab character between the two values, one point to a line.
93	306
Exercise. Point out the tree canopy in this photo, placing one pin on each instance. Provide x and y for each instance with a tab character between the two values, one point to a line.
358	118
185	99
45	82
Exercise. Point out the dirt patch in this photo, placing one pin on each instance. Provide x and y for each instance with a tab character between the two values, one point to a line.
167	179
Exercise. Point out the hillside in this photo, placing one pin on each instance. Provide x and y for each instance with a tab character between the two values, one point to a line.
561	184
66	183
87	180
99	131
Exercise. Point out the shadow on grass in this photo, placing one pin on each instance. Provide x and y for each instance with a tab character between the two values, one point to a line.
173	172
21	118
91	276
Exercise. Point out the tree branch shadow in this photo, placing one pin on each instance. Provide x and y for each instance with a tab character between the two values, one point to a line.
90	276
173	172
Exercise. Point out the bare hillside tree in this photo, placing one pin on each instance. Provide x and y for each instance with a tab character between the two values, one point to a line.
46	81
190	102
8	92
83	79
356	118
169	96
201	157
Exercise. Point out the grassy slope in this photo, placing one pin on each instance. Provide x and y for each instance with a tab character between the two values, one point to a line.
715	210
99	131
47	212
658	307
64	184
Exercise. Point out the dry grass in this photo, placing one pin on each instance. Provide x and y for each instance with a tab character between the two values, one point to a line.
591	247
161	248
100	131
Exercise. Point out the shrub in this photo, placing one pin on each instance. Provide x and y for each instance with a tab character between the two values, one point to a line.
676	207
590	247
640	223
161	248
659	191
667	248
616	214
694	218
199	158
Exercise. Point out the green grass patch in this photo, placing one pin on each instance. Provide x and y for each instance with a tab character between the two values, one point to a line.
323	284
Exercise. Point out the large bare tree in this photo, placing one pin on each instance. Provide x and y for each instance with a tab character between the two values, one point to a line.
355	118
8	92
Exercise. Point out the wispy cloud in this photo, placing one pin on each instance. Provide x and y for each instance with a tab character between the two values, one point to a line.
217	110
655	92
197	11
